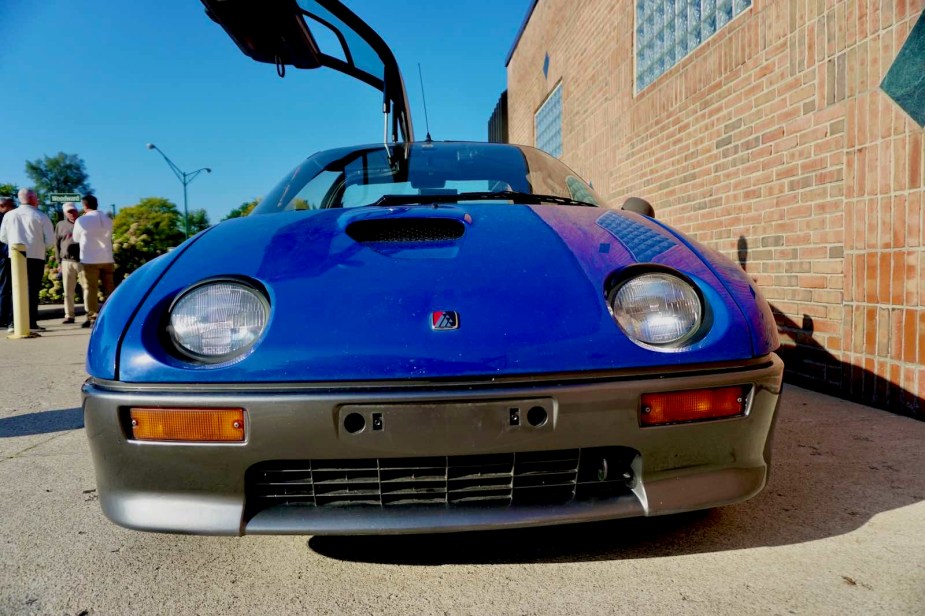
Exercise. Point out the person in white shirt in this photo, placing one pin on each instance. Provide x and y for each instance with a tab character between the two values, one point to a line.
30	226
93	231
6	284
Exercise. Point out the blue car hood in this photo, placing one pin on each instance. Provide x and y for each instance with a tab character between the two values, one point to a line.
528	284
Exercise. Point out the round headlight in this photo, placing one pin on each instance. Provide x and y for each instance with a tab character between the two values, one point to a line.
218	320
657	309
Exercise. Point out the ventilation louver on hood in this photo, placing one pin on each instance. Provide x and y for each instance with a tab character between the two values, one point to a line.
406	230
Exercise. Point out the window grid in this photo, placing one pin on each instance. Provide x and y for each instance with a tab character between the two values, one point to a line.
548	124
668	30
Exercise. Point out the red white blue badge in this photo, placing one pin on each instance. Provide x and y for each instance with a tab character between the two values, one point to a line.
443	320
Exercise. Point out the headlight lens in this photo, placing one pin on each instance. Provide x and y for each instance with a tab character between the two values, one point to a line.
657	309
218	320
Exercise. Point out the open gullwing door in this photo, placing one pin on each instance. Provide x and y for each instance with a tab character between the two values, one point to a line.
283	32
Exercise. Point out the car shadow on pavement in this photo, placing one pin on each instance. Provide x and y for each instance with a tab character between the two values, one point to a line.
43	422
830	475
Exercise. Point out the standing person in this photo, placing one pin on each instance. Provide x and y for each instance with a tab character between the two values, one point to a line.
67	252
30	226
93	232
6	283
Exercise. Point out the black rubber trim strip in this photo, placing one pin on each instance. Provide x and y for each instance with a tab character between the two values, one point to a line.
452	383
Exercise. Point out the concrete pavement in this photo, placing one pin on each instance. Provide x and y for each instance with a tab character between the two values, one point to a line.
840	529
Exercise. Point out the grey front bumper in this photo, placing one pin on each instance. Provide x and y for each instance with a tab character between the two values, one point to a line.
200	488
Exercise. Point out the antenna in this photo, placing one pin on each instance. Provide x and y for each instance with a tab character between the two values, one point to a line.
426	122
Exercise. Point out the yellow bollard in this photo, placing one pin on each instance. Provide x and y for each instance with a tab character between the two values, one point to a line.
20	293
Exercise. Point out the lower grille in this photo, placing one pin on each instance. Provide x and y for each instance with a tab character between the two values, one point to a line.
495	480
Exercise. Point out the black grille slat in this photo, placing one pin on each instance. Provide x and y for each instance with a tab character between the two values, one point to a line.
493	480
530	481
406	230
404	488
481	483
287	496
480	498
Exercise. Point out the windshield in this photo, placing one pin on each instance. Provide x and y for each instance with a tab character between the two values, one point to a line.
356	177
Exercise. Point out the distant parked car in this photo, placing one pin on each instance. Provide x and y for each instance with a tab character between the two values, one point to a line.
418	336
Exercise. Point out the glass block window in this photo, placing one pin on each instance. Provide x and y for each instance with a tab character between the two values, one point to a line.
668	30
548	124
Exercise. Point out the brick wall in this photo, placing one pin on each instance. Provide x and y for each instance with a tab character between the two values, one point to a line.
773	143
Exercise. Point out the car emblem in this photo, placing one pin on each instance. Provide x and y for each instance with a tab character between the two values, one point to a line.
444	319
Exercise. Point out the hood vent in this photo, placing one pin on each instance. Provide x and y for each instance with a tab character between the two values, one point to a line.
406	230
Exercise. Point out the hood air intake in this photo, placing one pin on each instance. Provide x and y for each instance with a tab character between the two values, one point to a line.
406	230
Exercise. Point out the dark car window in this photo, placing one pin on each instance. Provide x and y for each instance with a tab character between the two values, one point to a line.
356	177
354	48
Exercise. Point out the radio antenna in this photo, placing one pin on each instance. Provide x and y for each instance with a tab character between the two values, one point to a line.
426	122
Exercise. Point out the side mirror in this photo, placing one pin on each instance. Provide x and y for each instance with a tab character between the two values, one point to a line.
639	206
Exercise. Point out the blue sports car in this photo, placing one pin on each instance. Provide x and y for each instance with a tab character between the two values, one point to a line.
414	336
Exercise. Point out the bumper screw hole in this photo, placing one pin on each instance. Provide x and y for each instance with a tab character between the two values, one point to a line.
354	422
536	416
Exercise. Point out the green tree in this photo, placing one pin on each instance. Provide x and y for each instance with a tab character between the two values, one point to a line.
242	210
144	231
8	190
59	173
198	221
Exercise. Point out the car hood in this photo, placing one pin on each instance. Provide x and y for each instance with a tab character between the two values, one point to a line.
353	293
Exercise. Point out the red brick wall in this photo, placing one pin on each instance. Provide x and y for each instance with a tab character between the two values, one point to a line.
773	143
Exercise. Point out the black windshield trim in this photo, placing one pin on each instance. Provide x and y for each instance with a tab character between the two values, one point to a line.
520	198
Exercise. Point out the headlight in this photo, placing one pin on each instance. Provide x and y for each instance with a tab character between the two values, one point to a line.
217	320
657	309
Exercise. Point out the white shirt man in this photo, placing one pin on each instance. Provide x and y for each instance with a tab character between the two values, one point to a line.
29	226
93	231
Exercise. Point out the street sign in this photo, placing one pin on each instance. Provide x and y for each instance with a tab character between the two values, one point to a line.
64	197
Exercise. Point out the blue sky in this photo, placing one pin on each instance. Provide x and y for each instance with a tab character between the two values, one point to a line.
101	79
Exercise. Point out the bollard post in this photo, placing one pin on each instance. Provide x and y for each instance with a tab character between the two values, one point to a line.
20	293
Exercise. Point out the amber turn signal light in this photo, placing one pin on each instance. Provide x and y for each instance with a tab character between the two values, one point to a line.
187	425
692	405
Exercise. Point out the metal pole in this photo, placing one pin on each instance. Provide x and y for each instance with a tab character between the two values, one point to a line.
20	293
185	208
185	178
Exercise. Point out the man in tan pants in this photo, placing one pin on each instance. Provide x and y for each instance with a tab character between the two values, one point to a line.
67	253
93	231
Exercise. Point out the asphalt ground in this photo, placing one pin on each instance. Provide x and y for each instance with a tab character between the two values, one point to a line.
840	529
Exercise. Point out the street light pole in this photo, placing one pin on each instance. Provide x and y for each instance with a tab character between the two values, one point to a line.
185	178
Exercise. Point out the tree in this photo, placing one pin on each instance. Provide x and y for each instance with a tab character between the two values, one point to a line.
144	231
198	221
242	210
8	190
60	173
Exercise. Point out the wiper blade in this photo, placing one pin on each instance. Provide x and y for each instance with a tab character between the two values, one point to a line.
504	195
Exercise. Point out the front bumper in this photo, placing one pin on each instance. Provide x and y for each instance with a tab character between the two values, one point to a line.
200	488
